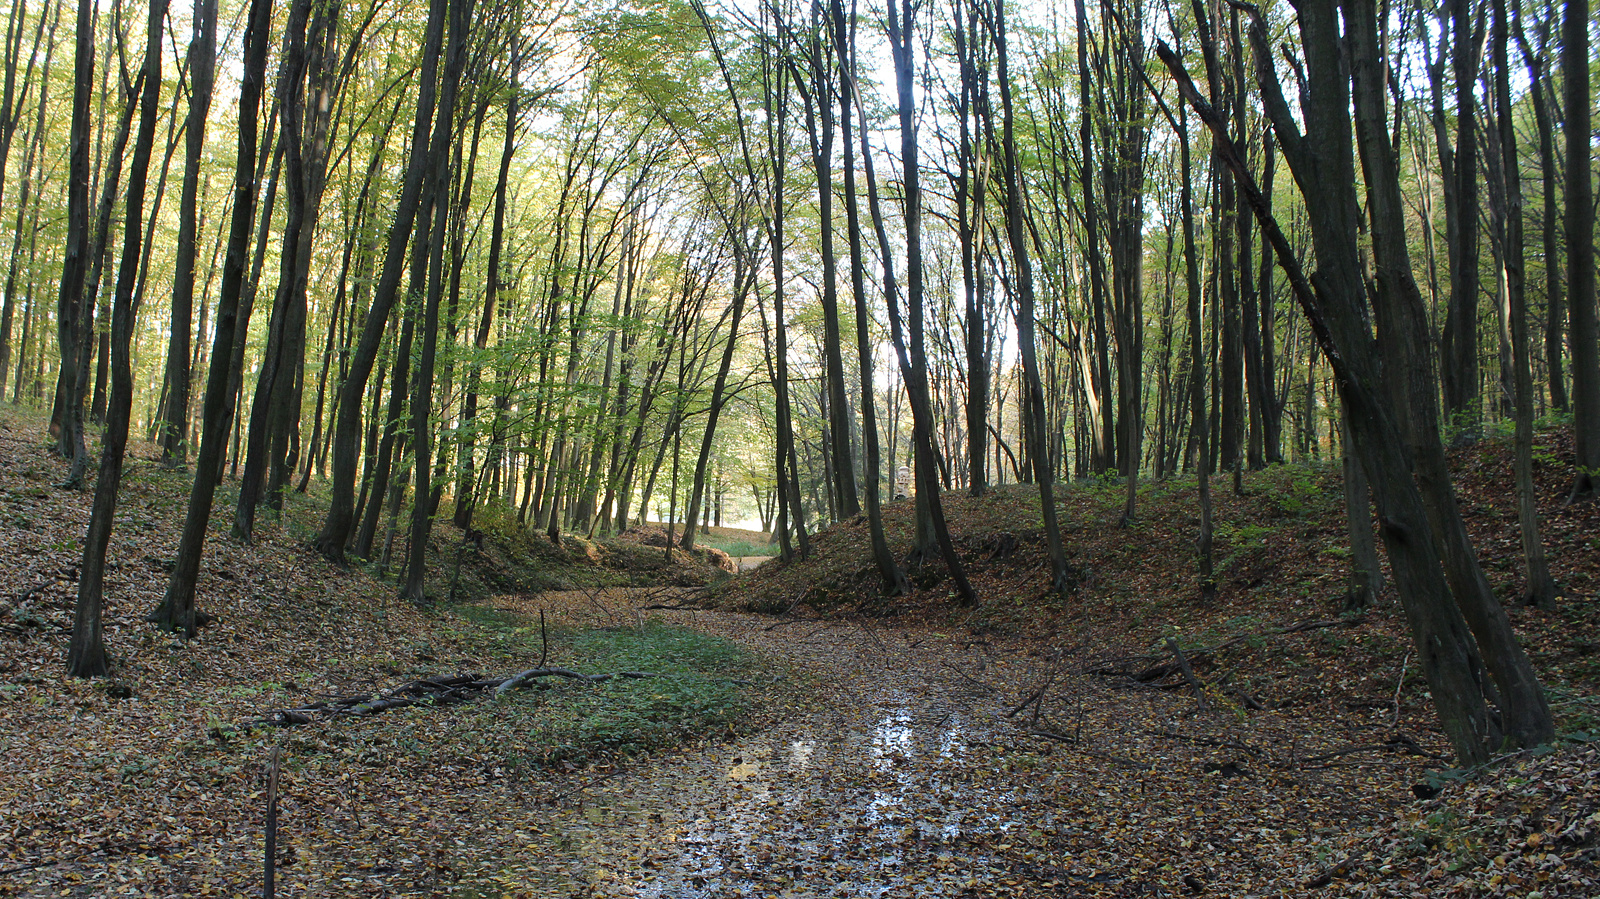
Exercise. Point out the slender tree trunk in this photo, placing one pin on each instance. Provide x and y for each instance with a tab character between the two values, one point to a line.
202	67
86	656
744	273
894	581
177	609
969	188
1365	582
9	118
1580	252
1555	310
1017	232
491	297
1540	589
820	119
302	88
1459	346
414	590
1199	428
912	358
340	520
71	308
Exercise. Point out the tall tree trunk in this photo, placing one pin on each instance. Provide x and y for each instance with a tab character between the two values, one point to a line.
26	200
1101	424
1027	344
818	97
340	520
202	69
913	358
465	495
177	609
1402	329
969	185
72	311
1459	346
86	656
1555	311
775	100
744	274
414	588
303	87
894	581
1580	252
1540	589
1199	428
1323	167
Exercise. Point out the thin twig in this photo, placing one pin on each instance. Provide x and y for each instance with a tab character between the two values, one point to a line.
1395	720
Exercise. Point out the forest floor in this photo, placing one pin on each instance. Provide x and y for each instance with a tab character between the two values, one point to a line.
803	736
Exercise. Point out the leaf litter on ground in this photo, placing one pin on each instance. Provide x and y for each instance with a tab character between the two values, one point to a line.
895	748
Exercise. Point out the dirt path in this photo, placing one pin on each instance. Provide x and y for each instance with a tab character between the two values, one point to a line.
910	781
750	563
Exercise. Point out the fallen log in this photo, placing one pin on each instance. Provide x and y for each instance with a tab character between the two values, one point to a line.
436	690
518	680
1154	666
1399	744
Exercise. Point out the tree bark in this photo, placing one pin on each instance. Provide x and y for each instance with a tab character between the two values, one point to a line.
174	429
86	656
340	520
1401	325
177	609
821	126
1323	166
1580	252
913	359
1540	590
893	579
1027	343
1459	345
414	589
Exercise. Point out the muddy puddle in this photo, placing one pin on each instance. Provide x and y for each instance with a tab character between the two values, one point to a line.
889	791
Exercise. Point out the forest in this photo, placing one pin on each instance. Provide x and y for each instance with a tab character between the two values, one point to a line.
408	273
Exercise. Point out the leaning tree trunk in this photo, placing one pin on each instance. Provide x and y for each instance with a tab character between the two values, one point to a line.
86	656
1402	330
177	610
340	520
1323	167
744	275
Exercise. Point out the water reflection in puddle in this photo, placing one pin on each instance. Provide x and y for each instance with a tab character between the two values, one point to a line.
861	802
